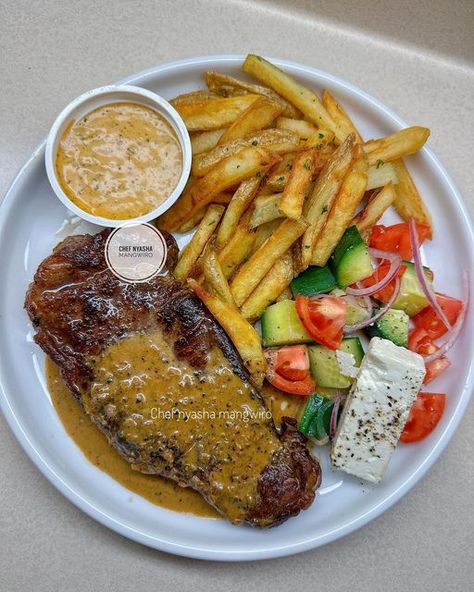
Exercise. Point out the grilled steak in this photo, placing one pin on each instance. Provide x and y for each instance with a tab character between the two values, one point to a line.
158	375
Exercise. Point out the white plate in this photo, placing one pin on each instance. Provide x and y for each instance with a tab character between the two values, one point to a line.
29	218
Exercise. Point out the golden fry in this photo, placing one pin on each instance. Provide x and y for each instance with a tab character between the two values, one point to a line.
402	143
194	97
297	94
192	251
344	207
260	263
270	288
211	114
227	173
408	201
215	277
303	128
266	208
204	141
245	338
301	176
381	174
340	116
220	198
237	206
374	209
238	248
319	139
257	116
278	176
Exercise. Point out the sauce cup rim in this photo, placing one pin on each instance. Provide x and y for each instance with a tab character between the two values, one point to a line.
117	93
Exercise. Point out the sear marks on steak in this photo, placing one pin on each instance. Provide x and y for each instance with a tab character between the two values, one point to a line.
158	375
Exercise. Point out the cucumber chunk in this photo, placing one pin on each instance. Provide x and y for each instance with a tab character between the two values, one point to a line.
412	299
281	325
325	368
316	416
355	312
351	259
393	326
314	280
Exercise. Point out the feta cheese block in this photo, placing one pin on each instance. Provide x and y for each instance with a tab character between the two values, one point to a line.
377	409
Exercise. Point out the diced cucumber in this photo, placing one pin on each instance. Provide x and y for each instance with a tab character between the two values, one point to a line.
325	368
393	325
355	312
281	325
314	280
351	259
315	417
412	299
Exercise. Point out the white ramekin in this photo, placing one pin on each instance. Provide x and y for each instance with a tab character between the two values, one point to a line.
112	94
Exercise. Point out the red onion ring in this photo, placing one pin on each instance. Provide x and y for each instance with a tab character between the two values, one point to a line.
395	262
455	329
334	414
427	289
380	312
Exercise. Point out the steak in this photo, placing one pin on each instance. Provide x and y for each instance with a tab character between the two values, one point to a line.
160	378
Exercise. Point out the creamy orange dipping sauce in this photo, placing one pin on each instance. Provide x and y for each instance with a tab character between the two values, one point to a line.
120	161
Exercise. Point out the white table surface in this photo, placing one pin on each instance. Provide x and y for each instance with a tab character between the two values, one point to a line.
418	58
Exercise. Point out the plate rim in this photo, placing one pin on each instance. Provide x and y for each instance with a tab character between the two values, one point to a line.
272	551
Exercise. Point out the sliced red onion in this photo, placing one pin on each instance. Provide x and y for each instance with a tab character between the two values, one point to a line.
334	414
380	312
455	329
427	289
395	262
368	305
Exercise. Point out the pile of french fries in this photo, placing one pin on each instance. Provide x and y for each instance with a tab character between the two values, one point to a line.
278	175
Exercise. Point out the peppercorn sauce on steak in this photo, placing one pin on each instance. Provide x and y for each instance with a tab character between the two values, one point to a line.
160	378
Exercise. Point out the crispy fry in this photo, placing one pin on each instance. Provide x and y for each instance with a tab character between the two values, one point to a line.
278	141
278	176
319	139
263	232
381	174
215	277
195	247
270	288
402	143
227	173
303	128
257	116
301	176
319	202
237	206
339	115
300	96
408	201
238	248
266	208
194	96
374	209
228	86
204	141
220	198
245	338
260	263
211	114
344	207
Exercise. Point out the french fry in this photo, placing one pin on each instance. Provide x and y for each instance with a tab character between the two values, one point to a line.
238	248
319	139
228	86
263	232
257	116
212	114
294	92
402	143
278	141
381	174
192	251
220	198
374	209
319	202
194	96
303	128
270	288
204	141
301	176
227	173
278	176
341	118
408	201
237	206
215	277
344	207
245	338
266	208
260	263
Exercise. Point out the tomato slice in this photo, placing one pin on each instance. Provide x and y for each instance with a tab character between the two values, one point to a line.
419	341
291	362
424	416
385	293
323	319
305	387
428	320
396	238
